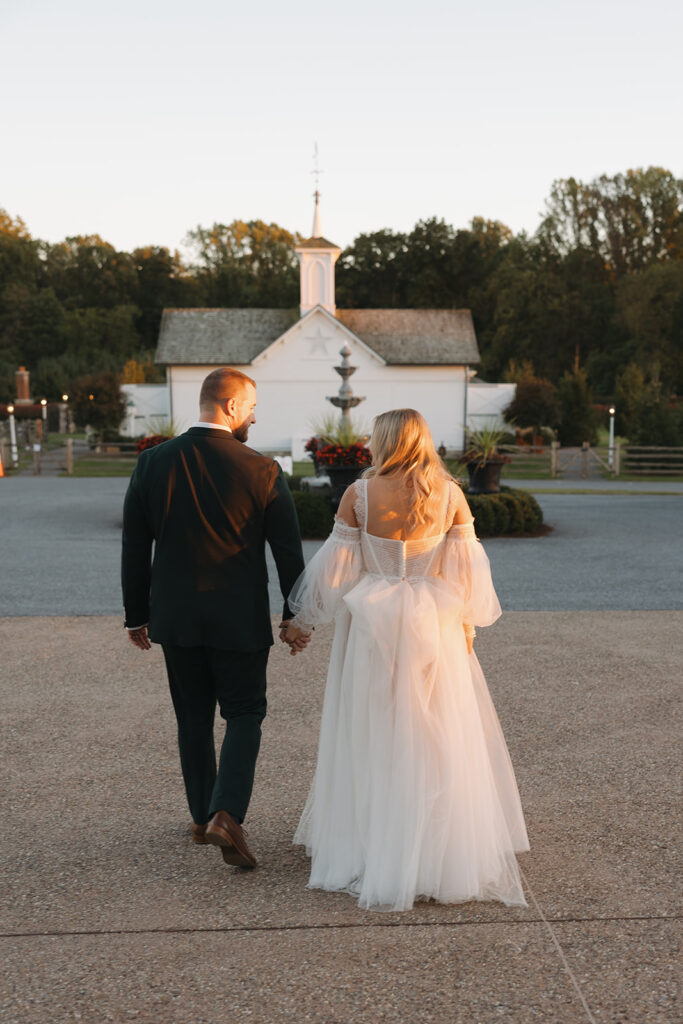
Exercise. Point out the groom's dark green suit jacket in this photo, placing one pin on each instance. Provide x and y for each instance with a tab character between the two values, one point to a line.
206	504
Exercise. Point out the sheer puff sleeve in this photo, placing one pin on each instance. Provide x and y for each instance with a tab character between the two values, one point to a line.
332	572
466	567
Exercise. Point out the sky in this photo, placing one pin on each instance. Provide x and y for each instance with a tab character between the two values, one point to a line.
139	121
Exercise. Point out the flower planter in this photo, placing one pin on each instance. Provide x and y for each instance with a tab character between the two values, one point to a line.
340	478
485	476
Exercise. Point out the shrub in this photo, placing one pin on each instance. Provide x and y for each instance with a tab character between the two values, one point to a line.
533	515
515	508
480	507
501	516
510	512
315	515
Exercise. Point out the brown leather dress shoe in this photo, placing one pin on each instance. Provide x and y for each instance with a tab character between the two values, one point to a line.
224	831
198	834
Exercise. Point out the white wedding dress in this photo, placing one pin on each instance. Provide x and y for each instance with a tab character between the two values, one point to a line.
414	794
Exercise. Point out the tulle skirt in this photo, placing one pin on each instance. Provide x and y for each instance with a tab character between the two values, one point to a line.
414	794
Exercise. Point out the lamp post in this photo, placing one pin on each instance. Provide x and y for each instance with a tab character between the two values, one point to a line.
64	416
13	437
610	454
43	432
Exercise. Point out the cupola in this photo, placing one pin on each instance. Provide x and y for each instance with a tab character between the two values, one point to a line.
317	258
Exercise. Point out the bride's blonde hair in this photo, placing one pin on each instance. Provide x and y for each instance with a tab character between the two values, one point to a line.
402	442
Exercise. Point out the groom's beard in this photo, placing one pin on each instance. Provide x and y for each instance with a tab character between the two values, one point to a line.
242	432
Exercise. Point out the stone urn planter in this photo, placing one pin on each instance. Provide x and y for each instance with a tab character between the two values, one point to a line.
484	459
343	464
485	476
341	477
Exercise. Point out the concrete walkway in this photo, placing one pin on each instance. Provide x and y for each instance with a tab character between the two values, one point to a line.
110	913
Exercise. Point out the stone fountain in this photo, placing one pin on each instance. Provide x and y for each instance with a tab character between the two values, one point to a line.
346	399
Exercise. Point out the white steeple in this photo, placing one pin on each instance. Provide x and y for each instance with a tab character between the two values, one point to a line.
317	258
317	230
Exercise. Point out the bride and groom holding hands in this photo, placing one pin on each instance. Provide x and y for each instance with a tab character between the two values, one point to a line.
414	795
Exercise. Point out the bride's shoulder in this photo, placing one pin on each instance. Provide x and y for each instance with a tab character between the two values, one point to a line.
458	509
349	511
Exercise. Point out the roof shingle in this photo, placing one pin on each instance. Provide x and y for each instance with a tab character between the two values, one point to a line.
415	336
407	337
219	336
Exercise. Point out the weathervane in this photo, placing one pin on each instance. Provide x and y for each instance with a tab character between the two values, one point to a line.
316	172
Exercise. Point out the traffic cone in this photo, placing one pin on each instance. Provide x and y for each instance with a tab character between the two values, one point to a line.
2	468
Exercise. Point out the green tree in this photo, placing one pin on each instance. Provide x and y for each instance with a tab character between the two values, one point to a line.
86	271
649	311
371	273
629	220
161	280
658	425
245	264
630	398
577	420
97	401
142	371
107	336
535	405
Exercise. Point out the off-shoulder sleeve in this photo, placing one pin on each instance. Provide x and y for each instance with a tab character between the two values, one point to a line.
332	572
466	566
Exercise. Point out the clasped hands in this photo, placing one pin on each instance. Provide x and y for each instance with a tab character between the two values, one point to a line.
294	636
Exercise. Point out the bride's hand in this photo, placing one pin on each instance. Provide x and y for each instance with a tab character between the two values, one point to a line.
294	636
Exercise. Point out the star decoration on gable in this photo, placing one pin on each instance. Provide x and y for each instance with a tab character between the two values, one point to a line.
318	343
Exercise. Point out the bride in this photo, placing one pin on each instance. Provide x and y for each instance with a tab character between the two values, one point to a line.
414	795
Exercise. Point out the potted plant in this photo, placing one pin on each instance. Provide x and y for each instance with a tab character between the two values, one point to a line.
484	459
339	451
343	464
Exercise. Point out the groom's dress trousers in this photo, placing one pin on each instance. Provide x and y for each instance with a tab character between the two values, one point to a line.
197	514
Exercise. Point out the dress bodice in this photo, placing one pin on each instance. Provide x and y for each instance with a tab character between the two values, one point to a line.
353	561
400	559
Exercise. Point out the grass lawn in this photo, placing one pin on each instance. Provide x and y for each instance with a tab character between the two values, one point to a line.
103	467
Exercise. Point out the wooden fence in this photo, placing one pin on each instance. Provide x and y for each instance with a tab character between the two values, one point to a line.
652	460
536	461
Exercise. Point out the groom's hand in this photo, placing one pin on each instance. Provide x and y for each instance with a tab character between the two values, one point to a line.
294	636
139	638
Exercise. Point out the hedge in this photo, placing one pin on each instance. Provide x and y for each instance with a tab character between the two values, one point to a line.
510	512
315	515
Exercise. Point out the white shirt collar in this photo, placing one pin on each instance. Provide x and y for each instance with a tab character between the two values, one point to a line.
211	426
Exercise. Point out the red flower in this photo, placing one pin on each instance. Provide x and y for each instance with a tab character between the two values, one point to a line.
150	442
336	455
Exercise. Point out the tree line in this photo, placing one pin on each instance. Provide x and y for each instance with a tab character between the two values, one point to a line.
598	289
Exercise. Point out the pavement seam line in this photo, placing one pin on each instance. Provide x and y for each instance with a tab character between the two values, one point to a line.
219	929
559	949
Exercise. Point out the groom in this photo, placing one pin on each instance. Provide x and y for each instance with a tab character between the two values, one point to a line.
206	504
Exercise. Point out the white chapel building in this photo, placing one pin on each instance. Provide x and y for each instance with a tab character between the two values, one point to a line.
421	358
